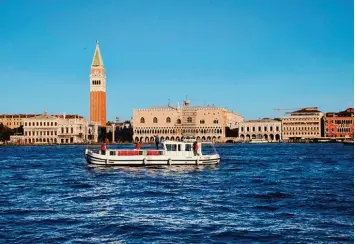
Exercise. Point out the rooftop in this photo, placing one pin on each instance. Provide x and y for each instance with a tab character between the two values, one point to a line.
307	110
349	112
67	116
18	115
263	120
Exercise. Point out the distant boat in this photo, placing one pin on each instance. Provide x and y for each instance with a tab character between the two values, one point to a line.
258	141
348	142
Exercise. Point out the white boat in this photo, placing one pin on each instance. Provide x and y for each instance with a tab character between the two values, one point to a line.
173	153
257	140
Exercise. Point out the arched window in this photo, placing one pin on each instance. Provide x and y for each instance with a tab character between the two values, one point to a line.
216	122
189	120
178	121
202	121
168	120
142	120
155	120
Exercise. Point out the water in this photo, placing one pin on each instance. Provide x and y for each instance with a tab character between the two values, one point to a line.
289	193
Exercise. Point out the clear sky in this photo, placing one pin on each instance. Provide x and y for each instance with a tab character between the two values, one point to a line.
250	56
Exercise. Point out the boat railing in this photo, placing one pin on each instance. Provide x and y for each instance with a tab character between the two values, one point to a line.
134	152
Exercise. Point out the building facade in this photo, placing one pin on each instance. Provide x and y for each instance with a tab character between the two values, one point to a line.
306	123
72	129
267	129
55	129
206	123
98	89
233	120
14	120
93	132
339	125
17	139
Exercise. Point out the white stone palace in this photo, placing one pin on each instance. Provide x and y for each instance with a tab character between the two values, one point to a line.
206	123
60	129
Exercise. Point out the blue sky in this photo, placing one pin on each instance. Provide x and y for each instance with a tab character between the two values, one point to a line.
250	56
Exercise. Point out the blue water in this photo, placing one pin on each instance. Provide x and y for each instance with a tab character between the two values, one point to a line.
289	193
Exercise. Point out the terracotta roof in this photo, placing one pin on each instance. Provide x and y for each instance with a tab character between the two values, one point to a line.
307	110
68	116
183	107
263	120
18	115
349	112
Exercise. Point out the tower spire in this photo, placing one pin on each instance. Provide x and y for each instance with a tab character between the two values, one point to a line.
97	60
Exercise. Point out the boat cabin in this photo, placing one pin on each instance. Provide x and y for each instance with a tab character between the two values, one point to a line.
168	148
186	148
179	148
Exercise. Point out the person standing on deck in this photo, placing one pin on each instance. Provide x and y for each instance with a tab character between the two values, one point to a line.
138	145
157	141
195	148
103	148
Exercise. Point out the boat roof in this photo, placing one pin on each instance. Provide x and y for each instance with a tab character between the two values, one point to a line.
186	141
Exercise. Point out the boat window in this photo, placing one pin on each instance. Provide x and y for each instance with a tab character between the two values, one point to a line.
173	147
188	147
179	147
168	147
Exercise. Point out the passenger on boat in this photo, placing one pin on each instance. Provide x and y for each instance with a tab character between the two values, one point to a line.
138	145
195	148
157	141
103	148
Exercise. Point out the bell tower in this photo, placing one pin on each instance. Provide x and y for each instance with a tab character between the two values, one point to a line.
98	89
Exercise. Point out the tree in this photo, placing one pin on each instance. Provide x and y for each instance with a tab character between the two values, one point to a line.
5	133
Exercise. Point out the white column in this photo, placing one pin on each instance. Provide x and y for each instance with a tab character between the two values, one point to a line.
113	133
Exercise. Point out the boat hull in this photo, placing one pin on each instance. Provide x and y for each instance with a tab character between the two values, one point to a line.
144	160
350	143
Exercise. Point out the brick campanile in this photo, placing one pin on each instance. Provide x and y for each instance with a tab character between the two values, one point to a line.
98	89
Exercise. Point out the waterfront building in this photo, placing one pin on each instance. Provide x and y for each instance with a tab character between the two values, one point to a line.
59	129
72	129
98	89
233	120
93	132
339	124
14	120
306	123
17	139
206	123
41	129
267	129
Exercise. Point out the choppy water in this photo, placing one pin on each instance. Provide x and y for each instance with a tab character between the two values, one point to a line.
265	193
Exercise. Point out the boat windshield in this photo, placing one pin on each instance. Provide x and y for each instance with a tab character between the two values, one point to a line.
208	149
174	147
